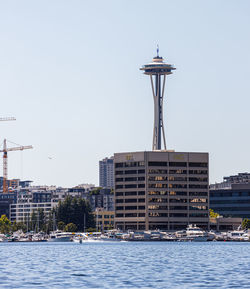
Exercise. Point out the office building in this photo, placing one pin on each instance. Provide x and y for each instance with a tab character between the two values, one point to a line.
161	190
231	198
5	201
104	219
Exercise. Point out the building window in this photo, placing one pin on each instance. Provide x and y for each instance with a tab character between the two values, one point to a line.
119	165
158	164
198	165
141	193
131	172
177	164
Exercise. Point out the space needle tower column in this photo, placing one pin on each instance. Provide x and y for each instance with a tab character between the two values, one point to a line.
158	70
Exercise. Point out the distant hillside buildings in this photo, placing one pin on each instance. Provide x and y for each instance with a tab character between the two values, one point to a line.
20	202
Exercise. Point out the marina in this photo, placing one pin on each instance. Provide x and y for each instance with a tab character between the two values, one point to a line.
191	234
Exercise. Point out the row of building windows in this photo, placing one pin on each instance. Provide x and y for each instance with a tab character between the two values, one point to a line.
177	193
178	186
130	179
224	202
176	179
120	208
161	164
177	172
133	193
177	215
130	172
229	194
160	207
178	164
130	215
234	209
119	201
161	200
105	216
162	215
177	200
162	178
162	193
129	164
132	186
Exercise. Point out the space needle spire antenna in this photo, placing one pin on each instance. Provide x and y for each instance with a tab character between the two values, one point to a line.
158	70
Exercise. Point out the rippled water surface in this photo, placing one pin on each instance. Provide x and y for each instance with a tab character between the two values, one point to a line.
125	265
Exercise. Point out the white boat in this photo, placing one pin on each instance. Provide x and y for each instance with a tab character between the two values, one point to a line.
39	237
79	238
59	236
237	236
196	234
3	238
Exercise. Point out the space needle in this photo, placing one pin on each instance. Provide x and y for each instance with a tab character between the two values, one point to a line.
158	70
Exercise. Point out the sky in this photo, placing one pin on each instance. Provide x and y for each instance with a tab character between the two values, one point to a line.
69	73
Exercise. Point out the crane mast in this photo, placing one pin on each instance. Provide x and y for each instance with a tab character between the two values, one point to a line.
5	162
5	151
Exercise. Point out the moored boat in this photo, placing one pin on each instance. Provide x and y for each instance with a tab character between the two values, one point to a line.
59	236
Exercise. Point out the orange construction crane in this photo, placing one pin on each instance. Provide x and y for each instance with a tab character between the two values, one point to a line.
5	151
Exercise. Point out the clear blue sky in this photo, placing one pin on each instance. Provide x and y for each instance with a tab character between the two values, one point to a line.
69	73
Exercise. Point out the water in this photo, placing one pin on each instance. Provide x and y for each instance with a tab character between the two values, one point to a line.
125	265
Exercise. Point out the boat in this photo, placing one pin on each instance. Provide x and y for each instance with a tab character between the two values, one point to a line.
237	236
196	234
39	237
3	238
79	238
59	236
192	233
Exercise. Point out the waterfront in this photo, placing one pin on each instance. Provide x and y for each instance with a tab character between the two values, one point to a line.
125	265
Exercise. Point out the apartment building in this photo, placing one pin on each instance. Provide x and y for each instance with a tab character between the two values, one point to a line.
106	173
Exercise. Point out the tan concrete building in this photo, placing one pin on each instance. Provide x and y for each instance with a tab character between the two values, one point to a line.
104	219
161	190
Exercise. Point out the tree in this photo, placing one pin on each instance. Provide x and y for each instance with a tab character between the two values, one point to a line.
5	224
27	222
41	220
70	227
245	224
61	225
76	211
212	214
33	220
51	221
96	191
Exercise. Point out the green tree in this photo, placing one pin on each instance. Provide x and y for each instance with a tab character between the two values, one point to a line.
76	211
245	224
70	227
61	225
20	226
51	221
41	220
212	214
27	222
33	220
89	230
5	224
96	191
